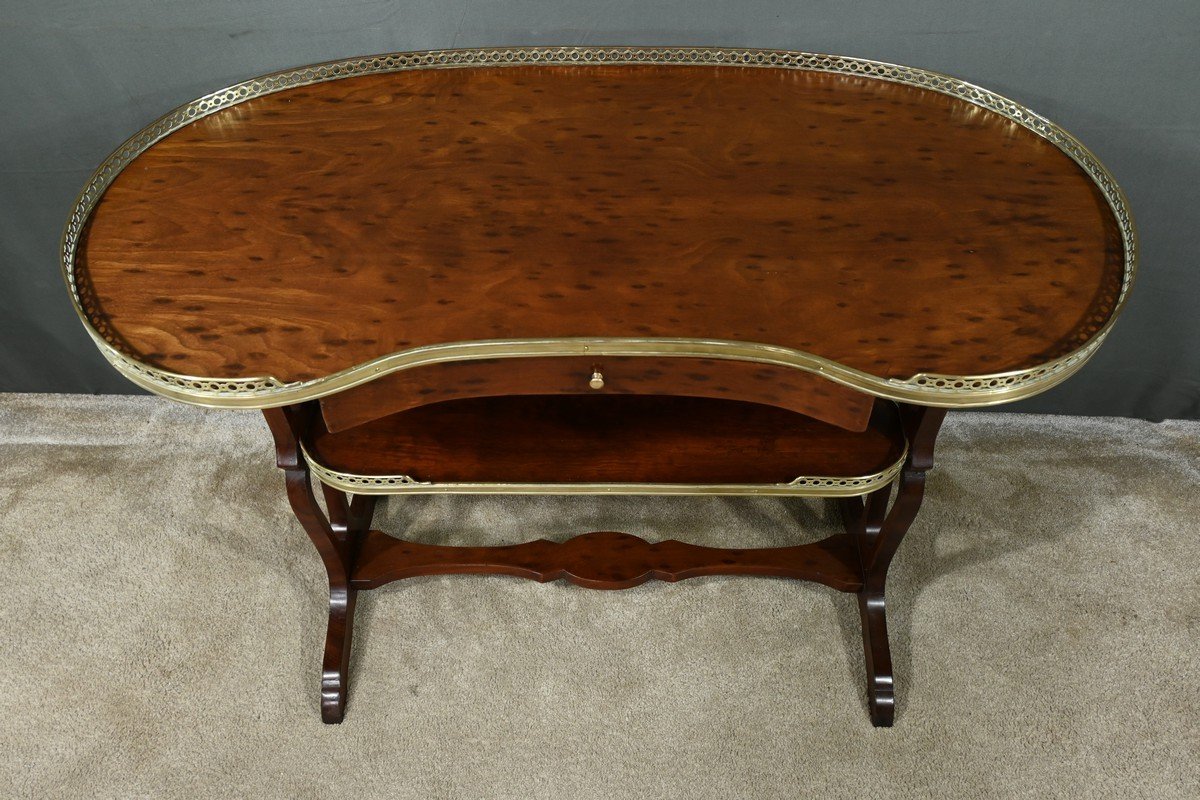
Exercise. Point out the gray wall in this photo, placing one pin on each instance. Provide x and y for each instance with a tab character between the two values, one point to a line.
77	78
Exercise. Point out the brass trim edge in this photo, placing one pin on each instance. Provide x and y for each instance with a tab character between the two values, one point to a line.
925	388
803	486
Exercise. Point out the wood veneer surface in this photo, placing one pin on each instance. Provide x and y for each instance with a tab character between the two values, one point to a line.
893	229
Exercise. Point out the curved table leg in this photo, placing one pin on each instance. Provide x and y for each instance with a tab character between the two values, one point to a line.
335	664
881	694
878	532
338	537
865	521
349	518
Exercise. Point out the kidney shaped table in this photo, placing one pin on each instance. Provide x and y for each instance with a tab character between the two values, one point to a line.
607	270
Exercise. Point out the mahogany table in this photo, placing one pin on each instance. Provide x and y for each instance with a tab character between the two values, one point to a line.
606	270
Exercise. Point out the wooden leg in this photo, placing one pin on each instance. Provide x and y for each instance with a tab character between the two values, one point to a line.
865	521
881	691
335	666
349	518
878	532
338	538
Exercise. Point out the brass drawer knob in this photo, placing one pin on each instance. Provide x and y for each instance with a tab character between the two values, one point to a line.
597	381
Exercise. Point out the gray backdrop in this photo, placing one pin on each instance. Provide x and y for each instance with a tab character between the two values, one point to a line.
77	78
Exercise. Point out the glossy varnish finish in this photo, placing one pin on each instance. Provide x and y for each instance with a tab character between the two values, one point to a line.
864	229
892	229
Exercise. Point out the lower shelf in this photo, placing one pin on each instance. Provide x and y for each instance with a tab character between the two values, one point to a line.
633	444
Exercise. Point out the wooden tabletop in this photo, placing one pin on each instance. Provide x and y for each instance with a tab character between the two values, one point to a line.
839	221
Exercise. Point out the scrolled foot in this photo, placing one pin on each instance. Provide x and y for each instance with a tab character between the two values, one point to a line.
881	686
333	697
882	704
335	667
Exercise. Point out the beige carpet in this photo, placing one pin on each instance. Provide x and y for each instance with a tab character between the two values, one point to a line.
163	616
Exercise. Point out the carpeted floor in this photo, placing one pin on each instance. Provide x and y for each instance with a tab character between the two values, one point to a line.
163	615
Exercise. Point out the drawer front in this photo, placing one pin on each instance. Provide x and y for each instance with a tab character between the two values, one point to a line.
690	377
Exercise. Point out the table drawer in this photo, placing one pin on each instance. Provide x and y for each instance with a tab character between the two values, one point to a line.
689	377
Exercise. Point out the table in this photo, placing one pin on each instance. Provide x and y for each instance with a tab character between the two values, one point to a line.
601	270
